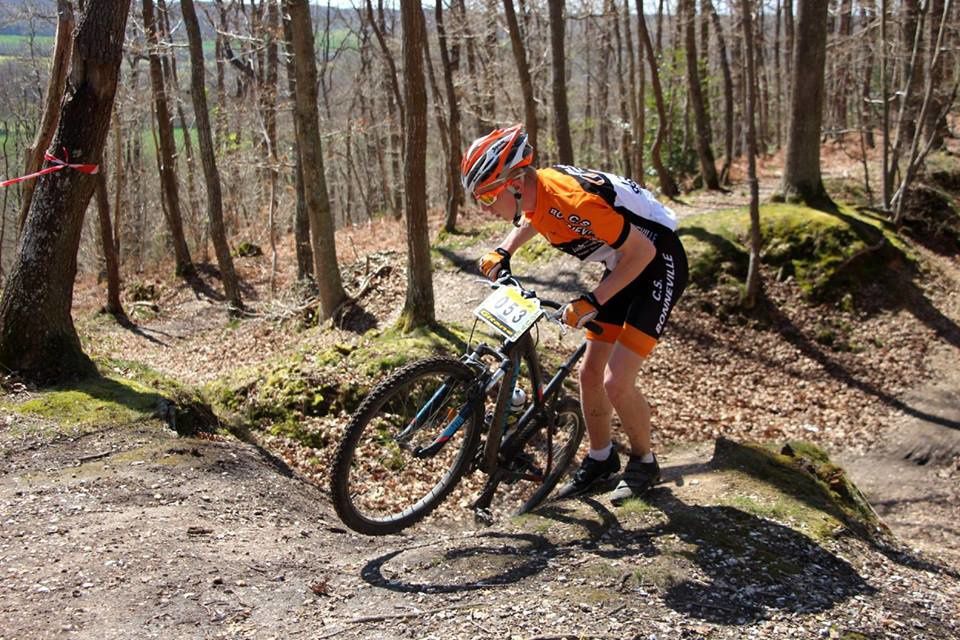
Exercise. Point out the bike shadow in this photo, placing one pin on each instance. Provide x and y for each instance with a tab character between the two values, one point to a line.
714	563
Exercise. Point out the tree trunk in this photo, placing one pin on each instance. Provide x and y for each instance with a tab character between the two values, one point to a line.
667	184
630	147
51	106
113	306
561	112
911	36
918	152
419	308
935	122
450	59
867	16
788	51
727	93
394	104
708	167
801	174
325	267
172	81
37	335
210	172
269	97
168	176
301	224
523	71
753	270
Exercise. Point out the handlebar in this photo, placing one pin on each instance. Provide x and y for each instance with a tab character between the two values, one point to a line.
510	280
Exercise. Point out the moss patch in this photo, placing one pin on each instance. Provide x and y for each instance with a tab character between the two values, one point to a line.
280	393
807	488
829	254
100	401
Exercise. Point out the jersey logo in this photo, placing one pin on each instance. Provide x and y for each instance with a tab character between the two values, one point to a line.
576	224
581	248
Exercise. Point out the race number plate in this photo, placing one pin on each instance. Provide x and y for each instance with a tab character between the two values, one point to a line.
508	312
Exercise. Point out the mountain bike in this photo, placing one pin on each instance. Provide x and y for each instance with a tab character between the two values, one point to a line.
431	422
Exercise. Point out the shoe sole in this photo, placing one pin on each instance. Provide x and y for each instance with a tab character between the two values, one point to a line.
619	500
597	486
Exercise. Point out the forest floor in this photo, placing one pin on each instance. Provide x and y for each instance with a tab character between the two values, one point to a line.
127	530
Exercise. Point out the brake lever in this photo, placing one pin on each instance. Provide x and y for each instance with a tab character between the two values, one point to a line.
554	316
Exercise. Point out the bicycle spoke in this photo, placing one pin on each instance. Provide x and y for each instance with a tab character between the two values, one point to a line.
406	447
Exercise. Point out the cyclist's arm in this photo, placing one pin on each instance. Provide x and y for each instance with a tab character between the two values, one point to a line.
636	253
517	237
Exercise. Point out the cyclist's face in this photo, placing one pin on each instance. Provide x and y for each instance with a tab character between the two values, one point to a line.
502	204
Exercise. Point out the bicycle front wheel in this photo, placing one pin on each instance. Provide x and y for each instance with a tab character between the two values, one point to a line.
407	446
543	461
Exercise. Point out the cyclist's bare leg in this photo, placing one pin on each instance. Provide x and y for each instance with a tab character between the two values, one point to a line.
597	409
620	388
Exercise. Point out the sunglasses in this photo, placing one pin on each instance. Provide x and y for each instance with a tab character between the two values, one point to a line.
490	195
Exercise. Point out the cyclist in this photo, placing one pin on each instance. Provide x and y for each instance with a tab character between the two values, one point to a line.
594	216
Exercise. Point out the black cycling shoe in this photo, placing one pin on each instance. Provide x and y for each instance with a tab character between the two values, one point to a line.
592	475
638	478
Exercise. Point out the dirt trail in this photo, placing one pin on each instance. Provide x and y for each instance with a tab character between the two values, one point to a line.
913	480
133	532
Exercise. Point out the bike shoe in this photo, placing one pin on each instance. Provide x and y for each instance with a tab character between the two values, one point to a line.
638	478
592	475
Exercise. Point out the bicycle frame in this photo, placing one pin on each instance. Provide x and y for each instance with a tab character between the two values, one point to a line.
499	451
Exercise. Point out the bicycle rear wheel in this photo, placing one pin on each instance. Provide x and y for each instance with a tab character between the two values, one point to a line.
394	466
542	463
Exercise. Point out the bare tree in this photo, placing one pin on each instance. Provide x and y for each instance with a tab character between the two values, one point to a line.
450	59
523	71
168	174
918	149
708	168
753	270
325	267
301	222
561	112
801	174
727	93
419	307
668	185
37	335
51	107
212	176
110	258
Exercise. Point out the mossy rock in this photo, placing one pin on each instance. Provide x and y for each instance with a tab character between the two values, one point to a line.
829	254
334	381
804	472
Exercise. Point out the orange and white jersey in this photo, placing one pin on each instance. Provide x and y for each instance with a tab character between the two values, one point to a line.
589	213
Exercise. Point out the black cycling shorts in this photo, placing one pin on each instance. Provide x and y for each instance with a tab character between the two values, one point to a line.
637	314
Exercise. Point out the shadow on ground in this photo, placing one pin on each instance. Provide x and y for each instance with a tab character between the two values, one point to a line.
738	567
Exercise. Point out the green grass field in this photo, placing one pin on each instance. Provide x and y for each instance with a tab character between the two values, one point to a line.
16	46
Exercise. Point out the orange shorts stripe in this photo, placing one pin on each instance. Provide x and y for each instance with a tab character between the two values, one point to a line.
637	341
609	335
